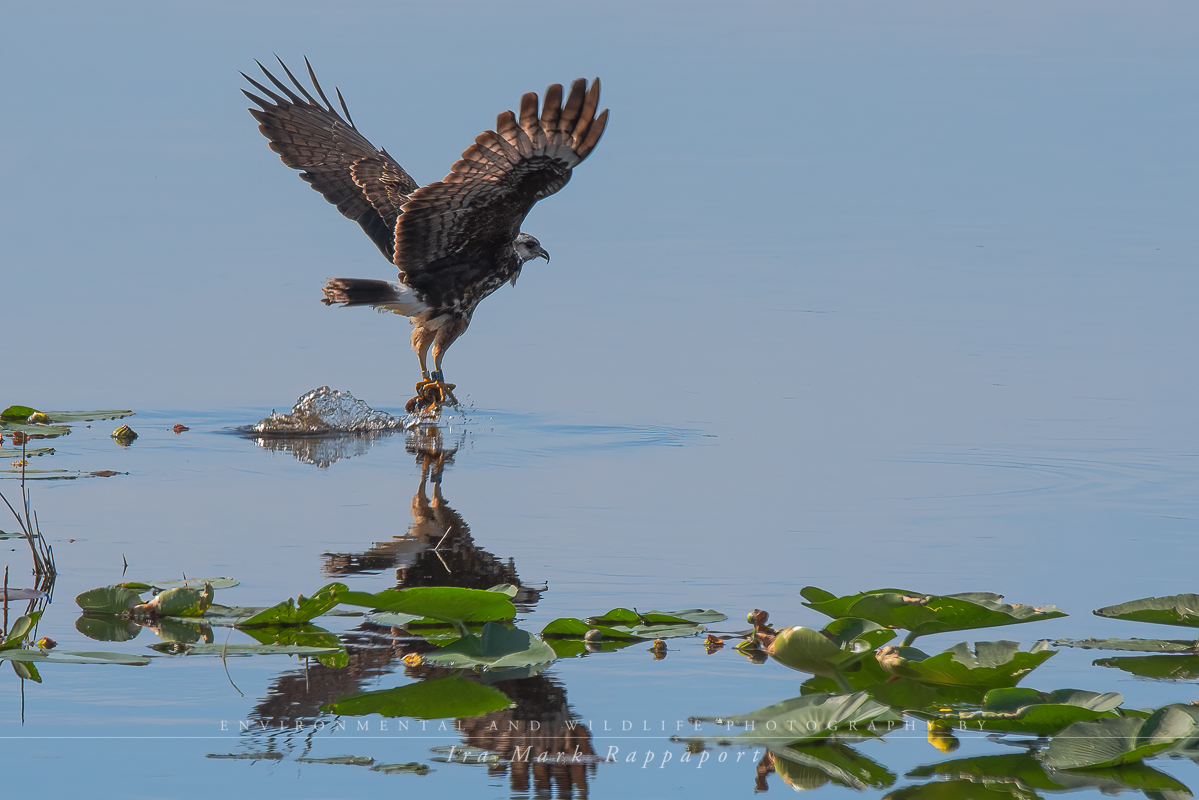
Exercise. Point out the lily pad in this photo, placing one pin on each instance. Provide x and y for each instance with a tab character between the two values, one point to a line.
923	614
217	583
107	627
832	651
990	664
110	599
38	431
811	718
439	698
71	657
300	610
17	413
1028	711
87	416
447	603
1024	774
1110	742
1132	645
809	766
182	601
1177	609
1161	668
356	761
497	648
409	768
241	649
20	628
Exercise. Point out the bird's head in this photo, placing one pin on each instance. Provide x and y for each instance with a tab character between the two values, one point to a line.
528	248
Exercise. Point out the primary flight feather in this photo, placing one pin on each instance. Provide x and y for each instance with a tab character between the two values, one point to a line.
455	241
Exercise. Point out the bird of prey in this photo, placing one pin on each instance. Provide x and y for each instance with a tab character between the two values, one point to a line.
455	241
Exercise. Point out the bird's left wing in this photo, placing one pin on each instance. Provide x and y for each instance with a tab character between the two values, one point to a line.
365	183
451	229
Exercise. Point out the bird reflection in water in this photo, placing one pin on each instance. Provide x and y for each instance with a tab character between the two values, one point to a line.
538	742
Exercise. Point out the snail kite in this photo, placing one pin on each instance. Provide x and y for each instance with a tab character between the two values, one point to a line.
455	241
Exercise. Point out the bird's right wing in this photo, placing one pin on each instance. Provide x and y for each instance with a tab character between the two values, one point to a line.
365	183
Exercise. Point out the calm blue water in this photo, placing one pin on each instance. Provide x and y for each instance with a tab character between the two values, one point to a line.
845	297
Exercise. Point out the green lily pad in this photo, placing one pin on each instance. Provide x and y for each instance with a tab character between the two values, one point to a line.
990	664
1177	609
25	670
922	614
28	452
71	657
439	698
1028	711
269	755
1024	774
38	431
182	601
17	413
811	765
832	651
240	649
811	718
87	416
110	599
410	768
20	628
1161	668
1132	645
217	583
356	761
300	610
1110	742
497	648
446	603
107	627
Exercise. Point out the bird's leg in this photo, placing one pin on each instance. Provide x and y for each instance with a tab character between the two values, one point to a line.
427	394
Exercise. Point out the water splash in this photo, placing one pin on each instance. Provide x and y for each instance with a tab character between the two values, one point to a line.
329	411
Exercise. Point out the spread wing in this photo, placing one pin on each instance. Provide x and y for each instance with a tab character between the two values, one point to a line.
366	184
454	230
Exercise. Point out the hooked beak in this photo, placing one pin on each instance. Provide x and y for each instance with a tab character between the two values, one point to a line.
540	253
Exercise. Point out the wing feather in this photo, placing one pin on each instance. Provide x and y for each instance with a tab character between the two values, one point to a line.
365	183
455	233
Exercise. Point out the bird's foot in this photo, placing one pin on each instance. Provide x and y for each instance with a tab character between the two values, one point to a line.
431	395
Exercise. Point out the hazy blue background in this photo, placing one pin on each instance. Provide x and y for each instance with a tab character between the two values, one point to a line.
849	294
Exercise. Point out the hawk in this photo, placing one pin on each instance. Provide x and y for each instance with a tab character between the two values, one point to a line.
456	240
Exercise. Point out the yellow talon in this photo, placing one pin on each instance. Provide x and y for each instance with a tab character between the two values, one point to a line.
430	396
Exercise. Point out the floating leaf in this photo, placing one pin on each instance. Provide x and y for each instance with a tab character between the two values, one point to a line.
990	664
811	718
26	671
439	698
182	601
87	416
447	603
217	583
830	652
264	756
42	431
110	599
71	657
19	629
1162	668
17	413
296	612
357	761
812	765
1132	645
1177	609
1023	775
1109	742
241	649
497	648
1029	711
922	614
410	768
107	627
